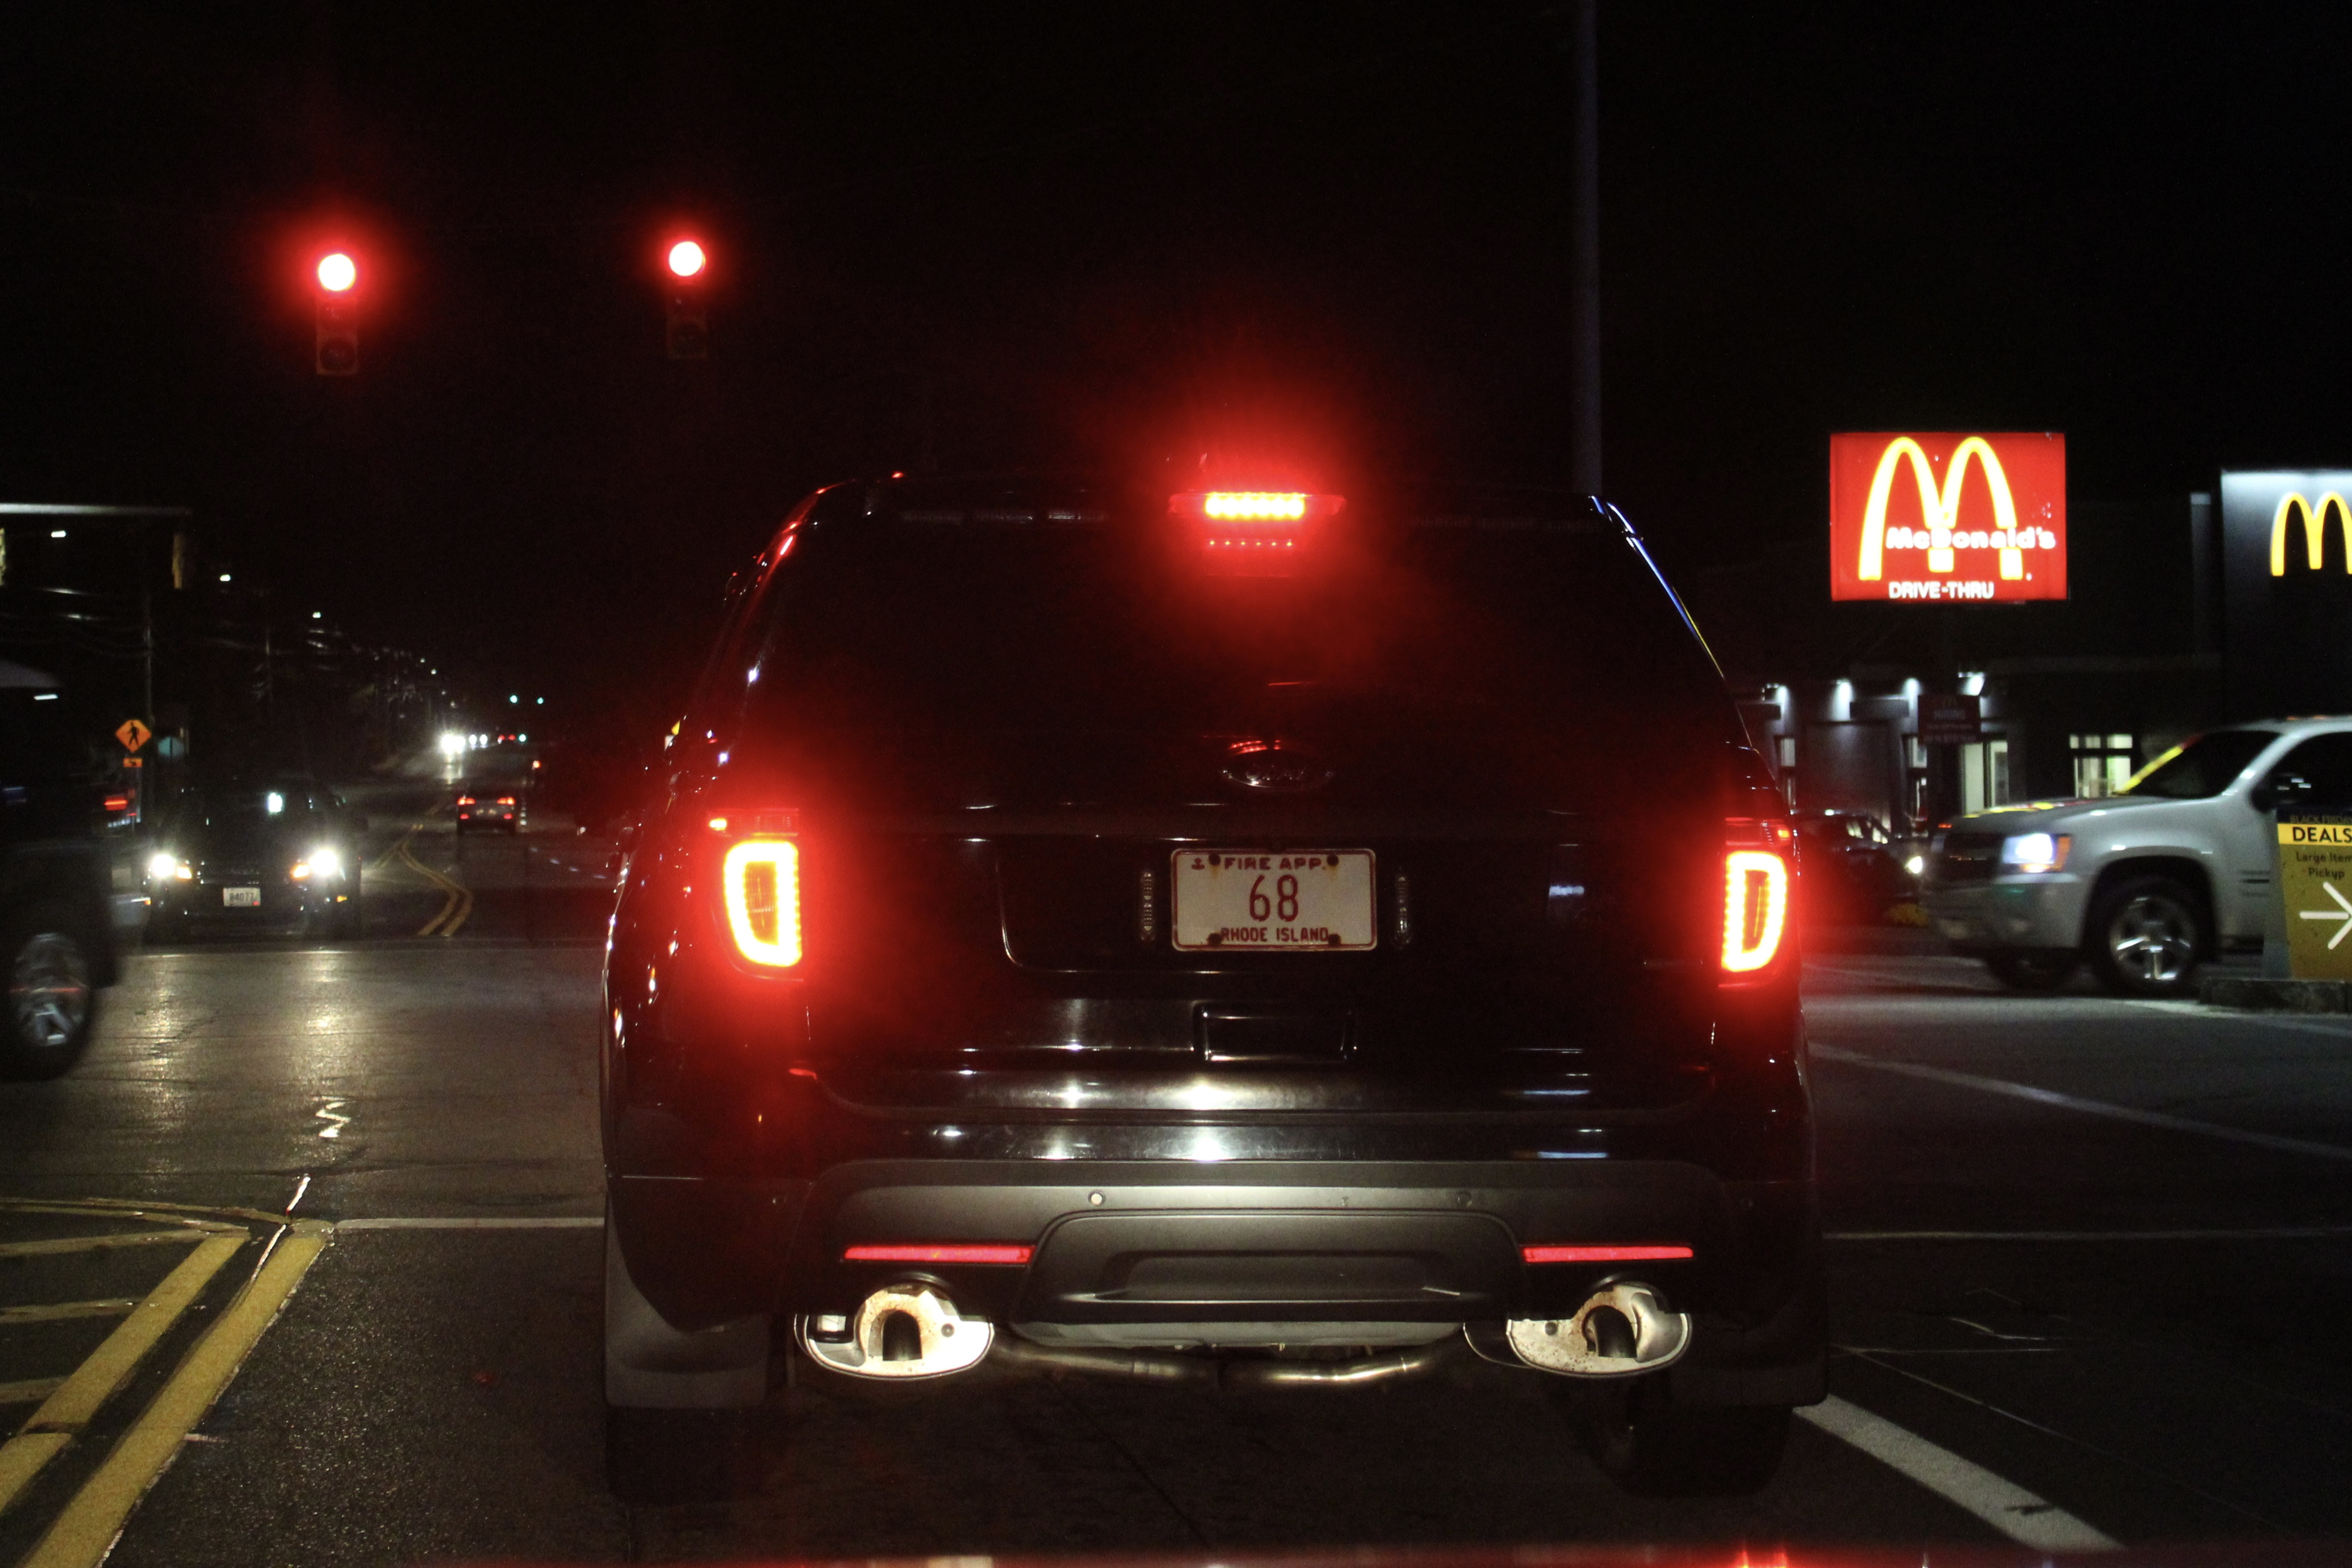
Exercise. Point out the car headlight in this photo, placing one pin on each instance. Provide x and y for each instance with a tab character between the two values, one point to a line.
1915	865
2035	852
322	863
163	867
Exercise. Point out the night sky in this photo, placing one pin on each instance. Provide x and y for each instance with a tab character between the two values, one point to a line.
996	237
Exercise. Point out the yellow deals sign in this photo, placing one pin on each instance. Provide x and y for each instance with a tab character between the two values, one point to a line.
2314	884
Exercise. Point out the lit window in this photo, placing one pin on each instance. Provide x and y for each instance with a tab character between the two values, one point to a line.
2103	763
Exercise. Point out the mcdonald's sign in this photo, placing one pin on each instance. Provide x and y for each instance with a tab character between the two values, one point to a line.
2312	513
1947	518
2287	581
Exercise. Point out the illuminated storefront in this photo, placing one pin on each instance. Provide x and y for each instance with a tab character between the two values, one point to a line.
2086	637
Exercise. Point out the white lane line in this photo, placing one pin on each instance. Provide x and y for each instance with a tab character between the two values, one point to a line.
513	1222
2304	1024
2271	1233
2028	1520
2088	1107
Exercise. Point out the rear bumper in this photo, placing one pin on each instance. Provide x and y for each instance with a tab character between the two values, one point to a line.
1194	1254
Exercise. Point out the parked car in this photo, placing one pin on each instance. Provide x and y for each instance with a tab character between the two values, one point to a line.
2143	885
1252	937
1855	870
265	854
57	936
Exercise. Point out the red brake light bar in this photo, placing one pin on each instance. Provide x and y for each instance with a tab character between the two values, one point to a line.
1255	506
1578	1254
1260	506
1253	532
941	1252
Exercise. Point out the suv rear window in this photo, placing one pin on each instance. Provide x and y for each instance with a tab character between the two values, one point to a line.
1500	618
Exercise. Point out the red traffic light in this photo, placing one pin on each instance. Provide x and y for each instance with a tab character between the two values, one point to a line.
337	272
686	259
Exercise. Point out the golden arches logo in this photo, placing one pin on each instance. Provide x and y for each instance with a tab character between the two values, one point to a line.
1938	511
2315	529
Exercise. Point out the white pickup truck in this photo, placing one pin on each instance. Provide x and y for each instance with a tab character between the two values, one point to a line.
2144	883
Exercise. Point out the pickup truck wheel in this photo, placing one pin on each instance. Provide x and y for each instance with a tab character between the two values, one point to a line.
51	1003
1652	1446
2146	936
2033	969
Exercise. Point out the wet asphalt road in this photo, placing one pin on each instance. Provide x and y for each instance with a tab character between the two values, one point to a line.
2100	1250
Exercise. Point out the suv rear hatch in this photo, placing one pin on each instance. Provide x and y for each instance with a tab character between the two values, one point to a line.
1432	822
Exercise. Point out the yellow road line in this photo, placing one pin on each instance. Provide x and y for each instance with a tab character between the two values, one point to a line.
29	1391
139	1208
22	1458
460	902
97	1243
60	1311
383	862
85	1532
68	1403
96	1380
465	912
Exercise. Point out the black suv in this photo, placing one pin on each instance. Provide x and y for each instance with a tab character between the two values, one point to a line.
1253	936
56	931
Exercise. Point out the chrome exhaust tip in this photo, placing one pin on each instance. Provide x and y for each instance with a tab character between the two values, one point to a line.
1621	1331
899	1332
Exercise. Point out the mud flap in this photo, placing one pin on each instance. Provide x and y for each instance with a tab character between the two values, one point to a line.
649	1365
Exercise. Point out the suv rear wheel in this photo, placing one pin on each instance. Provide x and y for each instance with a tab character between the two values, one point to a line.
51	1002
2147	934
1652	1446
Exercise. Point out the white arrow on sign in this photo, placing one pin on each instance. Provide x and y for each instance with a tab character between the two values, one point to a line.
2343	912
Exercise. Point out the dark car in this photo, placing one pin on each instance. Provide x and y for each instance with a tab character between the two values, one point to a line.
57	936
280	853
494	802
1255	937
1855	872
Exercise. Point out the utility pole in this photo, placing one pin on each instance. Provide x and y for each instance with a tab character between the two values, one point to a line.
1584	299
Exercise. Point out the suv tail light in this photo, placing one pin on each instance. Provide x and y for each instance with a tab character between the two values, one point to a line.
762	882
1755	891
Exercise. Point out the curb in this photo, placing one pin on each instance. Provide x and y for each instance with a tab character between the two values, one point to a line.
2263	994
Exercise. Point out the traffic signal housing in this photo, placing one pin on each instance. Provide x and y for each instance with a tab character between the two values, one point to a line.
336	315
686	329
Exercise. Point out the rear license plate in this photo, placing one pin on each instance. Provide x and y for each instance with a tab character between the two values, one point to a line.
1296	901
241	898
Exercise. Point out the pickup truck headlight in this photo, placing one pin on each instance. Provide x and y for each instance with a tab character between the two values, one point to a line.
2035	852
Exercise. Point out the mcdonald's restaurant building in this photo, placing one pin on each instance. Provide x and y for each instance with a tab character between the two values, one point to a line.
2180	613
